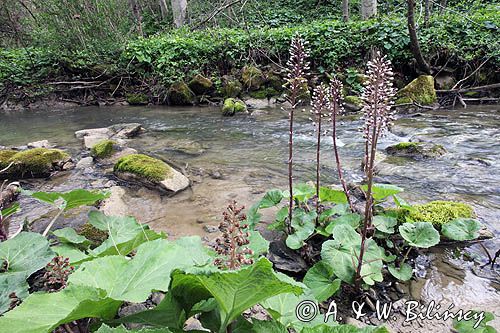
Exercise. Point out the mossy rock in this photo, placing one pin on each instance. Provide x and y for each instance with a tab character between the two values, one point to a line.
353	103
421	91
200	85
416	150
252	77
97	236
103	149
32	163
231	88
304	95
275	82
180	94
440	212
144	166
264	93
232	106
137	99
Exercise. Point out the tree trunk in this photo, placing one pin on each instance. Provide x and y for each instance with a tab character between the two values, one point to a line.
443	7
136	11
179	8
345	10
163	9
427	15
414	44
368	9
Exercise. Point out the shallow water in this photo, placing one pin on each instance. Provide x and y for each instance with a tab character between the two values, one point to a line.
246	155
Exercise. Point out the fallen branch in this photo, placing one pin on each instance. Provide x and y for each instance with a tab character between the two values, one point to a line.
479	88
217	11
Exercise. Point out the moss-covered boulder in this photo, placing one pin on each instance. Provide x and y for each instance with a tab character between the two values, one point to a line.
150	172
416	150
421	91
275	82
180	94
200	85
231	88
103	149
137	99
252	77
232	106
440	212
264	93
32	163
353	103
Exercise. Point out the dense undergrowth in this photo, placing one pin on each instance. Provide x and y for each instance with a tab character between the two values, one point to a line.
450	40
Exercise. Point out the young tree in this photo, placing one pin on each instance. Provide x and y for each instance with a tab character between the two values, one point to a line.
414	44
179	9
163	9
345	10
368	9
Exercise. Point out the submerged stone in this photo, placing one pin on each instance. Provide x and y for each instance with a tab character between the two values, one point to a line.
416	150
32	163
232	106
421	91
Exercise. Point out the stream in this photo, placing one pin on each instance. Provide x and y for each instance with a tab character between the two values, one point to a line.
242	157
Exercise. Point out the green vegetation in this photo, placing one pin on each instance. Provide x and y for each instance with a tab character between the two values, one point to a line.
440	212
32	162
407	145
102	149
354	100
232	106
143	166
137	99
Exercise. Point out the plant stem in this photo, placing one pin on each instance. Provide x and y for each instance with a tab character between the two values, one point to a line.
61	210
318	148
290	172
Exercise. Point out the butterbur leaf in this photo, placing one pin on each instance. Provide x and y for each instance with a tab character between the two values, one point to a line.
340	209
258	244
70	200
321	281
383	191
69	236
403	273
400	202
14	208
385	223
43	312
351	219
271	199
304	225
21	256
258	326
461	229
253	216
331	195
303	192
464	326
71	252
234	292
133	280
419	234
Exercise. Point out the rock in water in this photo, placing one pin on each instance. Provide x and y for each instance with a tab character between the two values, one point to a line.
421	91
232	106
40	144
94	136
416	150
150	172
32	163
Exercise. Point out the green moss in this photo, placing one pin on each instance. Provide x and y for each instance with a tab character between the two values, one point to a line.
93	234
180	94
5	156
232	88
144	166
200	85
102	149
34	162
232	106
264	93
275	82
354	100
421	91
137	99
440	212
407	145
252	77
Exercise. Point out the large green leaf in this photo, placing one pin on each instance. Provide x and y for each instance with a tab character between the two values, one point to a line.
303	192
72	252
341	254
14	208
125	234
467	326
351	219
403	273
327	194
303	224
321	281
258	244
382	191
43	312
419	234
385	223
271	199
461	229
21	256
234	292
69	236
133	280
258	326
70	200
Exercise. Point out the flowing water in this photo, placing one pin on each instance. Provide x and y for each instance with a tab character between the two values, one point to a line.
242	157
